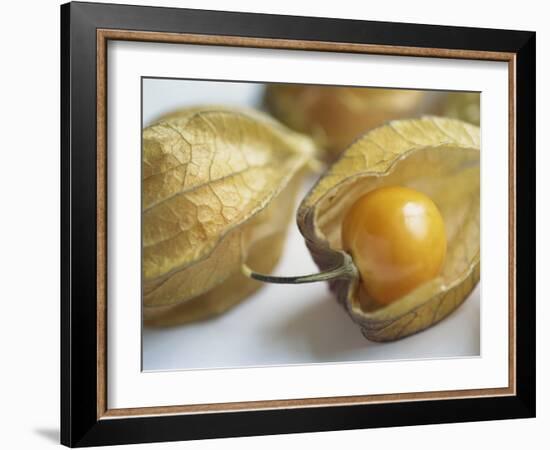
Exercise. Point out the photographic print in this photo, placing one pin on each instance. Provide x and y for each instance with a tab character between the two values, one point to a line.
274	224
303	224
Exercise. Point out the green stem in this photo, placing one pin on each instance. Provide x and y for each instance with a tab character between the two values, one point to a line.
345	270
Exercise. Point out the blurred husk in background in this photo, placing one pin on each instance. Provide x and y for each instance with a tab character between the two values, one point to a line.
462	105
336	116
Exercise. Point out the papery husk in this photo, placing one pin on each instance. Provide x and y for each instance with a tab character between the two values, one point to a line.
334	116
437	156
219	186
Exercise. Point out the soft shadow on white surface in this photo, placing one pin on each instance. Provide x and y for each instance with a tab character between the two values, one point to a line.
49	434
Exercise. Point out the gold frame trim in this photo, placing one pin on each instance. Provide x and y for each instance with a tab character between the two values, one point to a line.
104	35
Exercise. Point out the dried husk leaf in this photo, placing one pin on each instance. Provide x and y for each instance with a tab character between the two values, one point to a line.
437	156
218	185
335	116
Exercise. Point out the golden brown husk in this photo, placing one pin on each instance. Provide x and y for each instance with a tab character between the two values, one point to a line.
335	116
437	156
218	189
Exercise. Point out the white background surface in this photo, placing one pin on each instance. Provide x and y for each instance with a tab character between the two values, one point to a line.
29	334
283	324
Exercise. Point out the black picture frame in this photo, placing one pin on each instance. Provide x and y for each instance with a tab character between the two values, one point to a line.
81	423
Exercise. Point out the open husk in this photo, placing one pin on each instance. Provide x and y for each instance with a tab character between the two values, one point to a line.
218	191
437	156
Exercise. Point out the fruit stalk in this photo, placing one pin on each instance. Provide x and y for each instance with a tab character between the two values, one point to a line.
346	270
